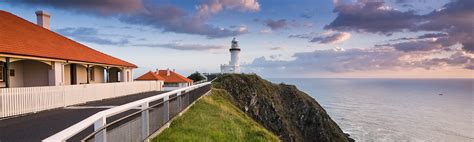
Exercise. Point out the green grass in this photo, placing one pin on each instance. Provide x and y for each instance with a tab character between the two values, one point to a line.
215	118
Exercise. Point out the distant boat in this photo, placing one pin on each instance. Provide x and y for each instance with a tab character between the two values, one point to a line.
440	94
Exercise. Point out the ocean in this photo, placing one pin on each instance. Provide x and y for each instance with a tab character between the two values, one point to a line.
389	110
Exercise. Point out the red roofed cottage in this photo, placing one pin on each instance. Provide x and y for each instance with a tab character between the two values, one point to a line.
32	55
172	79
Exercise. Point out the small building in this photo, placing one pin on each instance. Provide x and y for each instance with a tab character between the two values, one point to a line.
33	55
172	80
234	64
150	76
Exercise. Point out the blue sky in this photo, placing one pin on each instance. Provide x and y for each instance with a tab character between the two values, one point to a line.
279	38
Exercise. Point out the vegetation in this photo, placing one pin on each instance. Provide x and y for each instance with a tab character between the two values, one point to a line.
212	76
196	76
215	118
283	109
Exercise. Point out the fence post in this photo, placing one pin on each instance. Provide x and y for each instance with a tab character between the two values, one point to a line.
179	101
166	108
145	120
101	136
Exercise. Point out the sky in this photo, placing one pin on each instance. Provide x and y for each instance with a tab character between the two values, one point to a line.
278	38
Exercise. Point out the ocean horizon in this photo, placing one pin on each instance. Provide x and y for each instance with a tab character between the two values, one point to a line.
375	109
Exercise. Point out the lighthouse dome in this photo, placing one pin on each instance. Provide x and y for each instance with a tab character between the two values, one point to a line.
234	45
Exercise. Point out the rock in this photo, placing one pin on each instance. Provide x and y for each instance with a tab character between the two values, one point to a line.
283	109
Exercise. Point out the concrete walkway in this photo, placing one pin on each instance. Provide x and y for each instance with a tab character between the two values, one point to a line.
38	126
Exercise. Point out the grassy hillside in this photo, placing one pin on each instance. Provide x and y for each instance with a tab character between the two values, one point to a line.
215	118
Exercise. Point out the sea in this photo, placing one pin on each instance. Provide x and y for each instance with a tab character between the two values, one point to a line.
396	110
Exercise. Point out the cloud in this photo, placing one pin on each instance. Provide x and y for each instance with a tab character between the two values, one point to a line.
266	31
243	29
426	42
308	25
306	15
276	24
168	18
172	19
214	6
303	36
99	7
455	18
278	48
360	59
327	37
92	35
461	59
417	46
185	47
375	17
332	39
470	67
424	36
401	1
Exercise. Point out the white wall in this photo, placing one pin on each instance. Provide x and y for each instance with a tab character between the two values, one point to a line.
81	74
35	73
56	74
67	74
127	75
98	74
17	80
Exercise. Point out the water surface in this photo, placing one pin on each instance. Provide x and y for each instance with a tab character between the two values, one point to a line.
396	109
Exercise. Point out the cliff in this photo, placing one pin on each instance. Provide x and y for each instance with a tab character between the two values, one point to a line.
281	108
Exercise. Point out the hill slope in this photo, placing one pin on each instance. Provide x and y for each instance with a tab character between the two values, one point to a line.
283	109
215	118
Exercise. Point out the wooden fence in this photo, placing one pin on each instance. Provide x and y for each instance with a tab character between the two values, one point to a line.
16	101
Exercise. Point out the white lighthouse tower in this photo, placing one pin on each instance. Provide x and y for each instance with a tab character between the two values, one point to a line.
234	64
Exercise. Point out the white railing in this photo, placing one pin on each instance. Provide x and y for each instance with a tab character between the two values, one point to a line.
98	120
171	88
16	101
201	81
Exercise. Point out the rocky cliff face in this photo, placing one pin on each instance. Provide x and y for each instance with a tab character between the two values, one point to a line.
283	109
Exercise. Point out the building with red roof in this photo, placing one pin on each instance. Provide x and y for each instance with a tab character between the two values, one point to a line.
33	55
150	76
172	80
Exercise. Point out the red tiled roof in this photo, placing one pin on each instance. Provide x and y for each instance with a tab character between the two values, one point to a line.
173	77
20	37
150	76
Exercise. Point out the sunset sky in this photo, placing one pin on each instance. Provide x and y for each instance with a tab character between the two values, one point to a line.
278	38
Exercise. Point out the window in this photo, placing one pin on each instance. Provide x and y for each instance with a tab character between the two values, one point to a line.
171	85
1	72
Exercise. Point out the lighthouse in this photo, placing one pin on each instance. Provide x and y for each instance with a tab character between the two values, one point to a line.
234	63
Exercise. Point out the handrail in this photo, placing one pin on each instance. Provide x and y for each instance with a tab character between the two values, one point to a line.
102	115
123	118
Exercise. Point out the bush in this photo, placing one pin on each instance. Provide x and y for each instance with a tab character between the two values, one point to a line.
196	77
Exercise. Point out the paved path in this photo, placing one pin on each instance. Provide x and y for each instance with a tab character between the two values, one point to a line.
38	126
